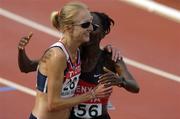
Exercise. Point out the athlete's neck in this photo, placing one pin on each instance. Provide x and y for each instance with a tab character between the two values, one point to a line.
70	44
93	50
89	57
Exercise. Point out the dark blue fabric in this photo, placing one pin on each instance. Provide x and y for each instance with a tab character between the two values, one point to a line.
41	80
32	116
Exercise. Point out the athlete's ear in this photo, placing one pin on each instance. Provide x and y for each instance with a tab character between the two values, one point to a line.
68	28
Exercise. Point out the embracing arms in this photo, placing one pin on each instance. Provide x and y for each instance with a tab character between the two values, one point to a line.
122	77
27	65
54	67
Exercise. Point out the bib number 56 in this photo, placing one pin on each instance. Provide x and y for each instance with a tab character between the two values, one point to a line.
88	110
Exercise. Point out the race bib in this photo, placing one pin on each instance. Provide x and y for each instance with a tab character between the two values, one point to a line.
84	110
69	86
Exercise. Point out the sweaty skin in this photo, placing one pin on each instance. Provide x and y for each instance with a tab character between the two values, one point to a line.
115	73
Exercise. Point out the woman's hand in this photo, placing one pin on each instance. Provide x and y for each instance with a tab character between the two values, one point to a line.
101	91
110	78
116	54
24	41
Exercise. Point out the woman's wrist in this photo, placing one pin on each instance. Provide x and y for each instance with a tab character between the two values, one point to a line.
121	81
92	93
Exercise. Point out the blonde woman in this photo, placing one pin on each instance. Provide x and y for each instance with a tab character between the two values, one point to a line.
59	68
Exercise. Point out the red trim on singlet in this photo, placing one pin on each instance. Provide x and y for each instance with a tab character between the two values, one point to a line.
84	87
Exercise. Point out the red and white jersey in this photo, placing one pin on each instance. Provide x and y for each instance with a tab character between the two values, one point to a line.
71	74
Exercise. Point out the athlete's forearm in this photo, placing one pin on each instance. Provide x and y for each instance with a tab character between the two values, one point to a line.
70	102
25	64
126	80
130	84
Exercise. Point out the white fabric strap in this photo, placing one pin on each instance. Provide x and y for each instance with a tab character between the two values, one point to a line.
59	44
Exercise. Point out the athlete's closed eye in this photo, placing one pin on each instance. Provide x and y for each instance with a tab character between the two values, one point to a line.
95	27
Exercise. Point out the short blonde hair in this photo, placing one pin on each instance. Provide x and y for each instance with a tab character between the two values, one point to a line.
67	14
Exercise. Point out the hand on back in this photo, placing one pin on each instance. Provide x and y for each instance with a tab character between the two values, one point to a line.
116	54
